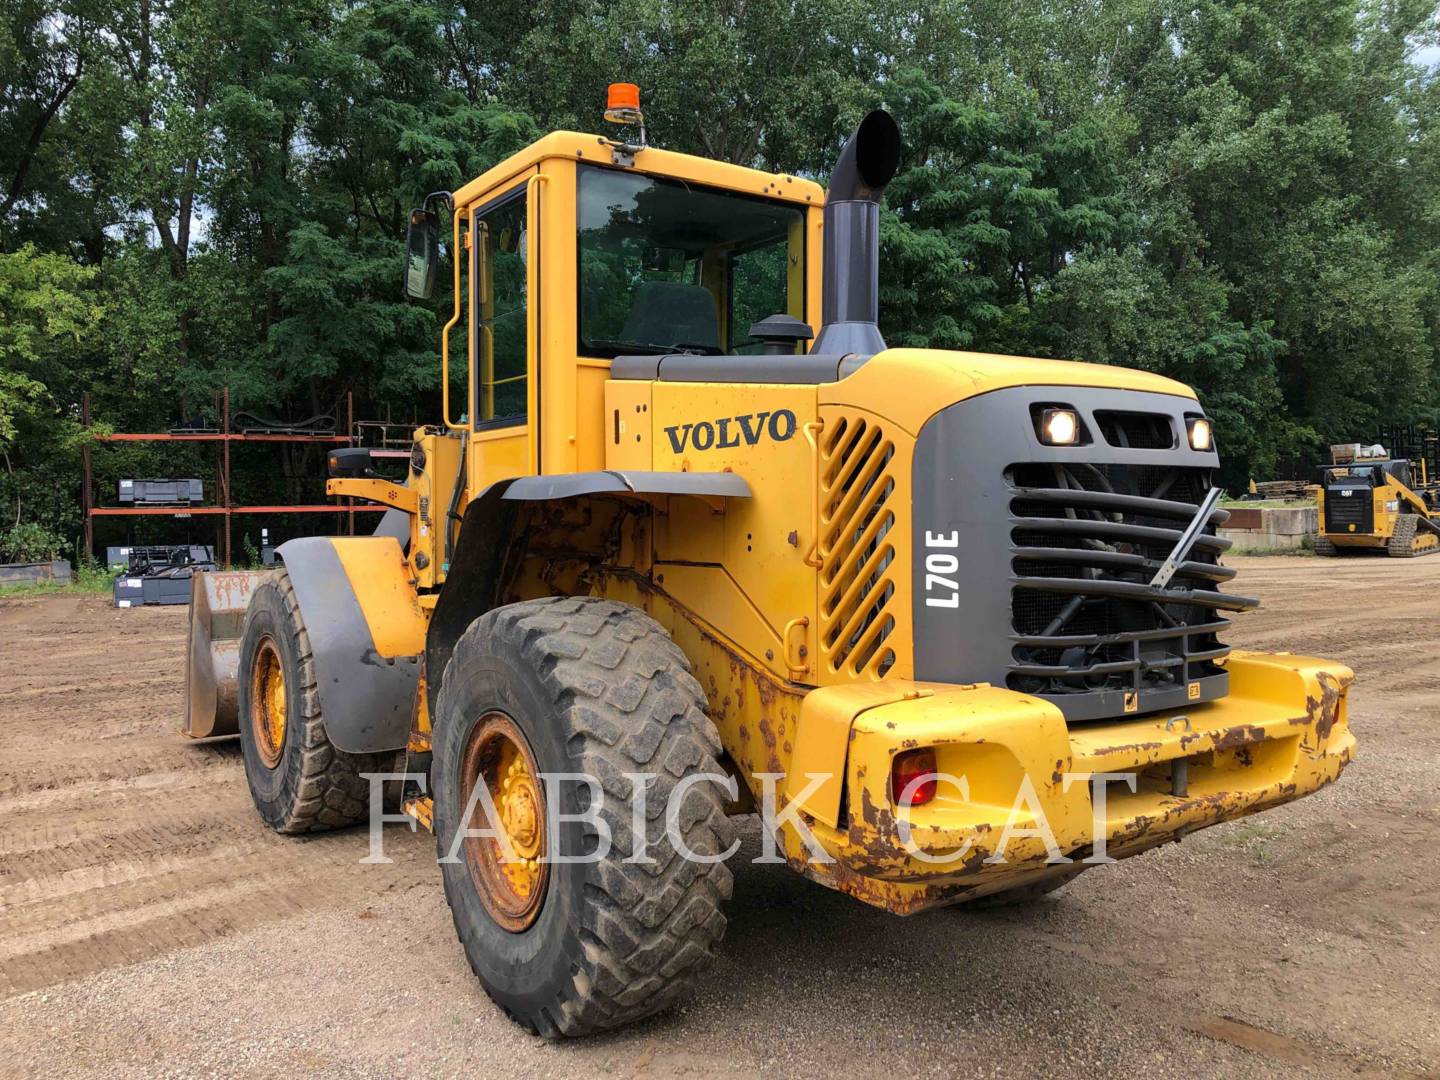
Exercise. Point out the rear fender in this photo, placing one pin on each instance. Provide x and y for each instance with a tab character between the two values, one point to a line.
489	547
367	634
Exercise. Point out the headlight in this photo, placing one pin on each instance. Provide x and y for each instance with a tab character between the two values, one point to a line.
1201	437
1059	427
1392	506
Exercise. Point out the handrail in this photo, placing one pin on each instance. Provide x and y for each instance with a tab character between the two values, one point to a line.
456	256
532	317
812	429
803	666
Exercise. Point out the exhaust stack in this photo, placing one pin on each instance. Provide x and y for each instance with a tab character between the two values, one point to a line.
850	296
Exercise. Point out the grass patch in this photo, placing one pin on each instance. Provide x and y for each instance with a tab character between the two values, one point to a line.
1253	837
1265	504
1246	831
86	581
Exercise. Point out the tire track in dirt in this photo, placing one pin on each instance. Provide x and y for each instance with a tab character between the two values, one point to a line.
121	839
121	842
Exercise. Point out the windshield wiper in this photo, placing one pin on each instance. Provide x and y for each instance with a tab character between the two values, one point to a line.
650	348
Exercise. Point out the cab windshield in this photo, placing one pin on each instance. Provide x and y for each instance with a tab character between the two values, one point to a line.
666	266
1373	473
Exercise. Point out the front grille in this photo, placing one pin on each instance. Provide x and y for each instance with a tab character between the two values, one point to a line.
1136	430
1341	512
1086	542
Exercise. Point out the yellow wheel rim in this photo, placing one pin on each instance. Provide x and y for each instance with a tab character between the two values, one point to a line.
511	884
267	703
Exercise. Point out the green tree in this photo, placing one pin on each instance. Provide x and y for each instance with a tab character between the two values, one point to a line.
48	312
988	208
1244	196
1276	147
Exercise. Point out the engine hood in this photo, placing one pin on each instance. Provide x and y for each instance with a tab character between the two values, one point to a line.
909	386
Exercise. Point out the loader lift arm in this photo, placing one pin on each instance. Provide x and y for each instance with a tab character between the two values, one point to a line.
384	492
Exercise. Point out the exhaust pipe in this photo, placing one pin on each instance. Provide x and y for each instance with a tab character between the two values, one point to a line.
850	295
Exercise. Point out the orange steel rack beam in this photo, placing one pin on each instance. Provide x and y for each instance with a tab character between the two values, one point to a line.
222	438
184	511
218	437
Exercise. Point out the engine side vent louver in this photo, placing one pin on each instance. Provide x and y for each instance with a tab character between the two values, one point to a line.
859	614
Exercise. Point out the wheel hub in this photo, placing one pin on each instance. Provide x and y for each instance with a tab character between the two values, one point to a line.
510	875
267	703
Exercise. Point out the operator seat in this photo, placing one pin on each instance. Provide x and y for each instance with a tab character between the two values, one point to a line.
673	313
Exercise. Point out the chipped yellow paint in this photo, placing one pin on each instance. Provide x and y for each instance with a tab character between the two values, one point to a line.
1282	733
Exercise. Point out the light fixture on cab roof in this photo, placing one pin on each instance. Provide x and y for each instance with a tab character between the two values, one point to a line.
622	106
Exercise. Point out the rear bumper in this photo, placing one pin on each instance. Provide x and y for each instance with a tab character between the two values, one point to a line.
1026	799
1359	540
1366	523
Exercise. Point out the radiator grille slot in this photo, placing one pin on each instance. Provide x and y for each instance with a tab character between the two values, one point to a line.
1341	511
1136	430
1086	542
856	550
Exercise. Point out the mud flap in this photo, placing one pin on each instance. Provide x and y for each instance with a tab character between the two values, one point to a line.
366	633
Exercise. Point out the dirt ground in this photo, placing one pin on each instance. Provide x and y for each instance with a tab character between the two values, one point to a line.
151	926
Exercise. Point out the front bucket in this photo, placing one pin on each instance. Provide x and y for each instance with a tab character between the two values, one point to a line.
217	619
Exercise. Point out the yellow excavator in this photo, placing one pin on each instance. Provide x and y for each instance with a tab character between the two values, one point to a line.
695	542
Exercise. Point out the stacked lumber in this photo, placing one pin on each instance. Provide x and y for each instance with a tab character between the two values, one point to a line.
1282	489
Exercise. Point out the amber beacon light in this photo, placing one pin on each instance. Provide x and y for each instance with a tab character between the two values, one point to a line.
622	104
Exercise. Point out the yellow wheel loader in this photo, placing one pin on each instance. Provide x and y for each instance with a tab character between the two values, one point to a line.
1376	505
697	543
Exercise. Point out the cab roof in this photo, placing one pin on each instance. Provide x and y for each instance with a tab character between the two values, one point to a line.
599	150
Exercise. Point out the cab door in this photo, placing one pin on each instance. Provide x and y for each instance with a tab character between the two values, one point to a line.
502	394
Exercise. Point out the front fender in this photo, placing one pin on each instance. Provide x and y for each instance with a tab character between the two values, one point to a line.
367	634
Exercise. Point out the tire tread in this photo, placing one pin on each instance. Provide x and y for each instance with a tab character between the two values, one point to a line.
331	792
631	705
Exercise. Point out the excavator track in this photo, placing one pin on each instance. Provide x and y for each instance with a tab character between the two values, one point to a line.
1409	541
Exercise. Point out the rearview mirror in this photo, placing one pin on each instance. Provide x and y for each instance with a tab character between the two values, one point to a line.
350	461
662	260
422	254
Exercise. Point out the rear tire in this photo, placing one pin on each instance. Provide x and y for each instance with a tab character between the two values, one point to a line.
300	782
593	687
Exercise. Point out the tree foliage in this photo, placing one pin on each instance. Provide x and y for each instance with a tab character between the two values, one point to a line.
197	194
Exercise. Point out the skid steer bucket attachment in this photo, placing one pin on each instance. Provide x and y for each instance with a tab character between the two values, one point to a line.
217	618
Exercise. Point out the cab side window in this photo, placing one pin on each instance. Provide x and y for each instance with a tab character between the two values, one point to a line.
498	271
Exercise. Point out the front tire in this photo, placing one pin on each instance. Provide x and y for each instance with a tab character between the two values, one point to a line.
593	687
299	782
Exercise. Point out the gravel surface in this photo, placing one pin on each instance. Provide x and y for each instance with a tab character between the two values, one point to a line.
151	926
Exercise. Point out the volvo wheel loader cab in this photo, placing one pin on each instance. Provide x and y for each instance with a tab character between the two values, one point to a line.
666	558
1377	504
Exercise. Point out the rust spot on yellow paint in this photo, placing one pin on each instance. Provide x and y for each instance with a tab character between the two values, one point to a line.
1240	735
